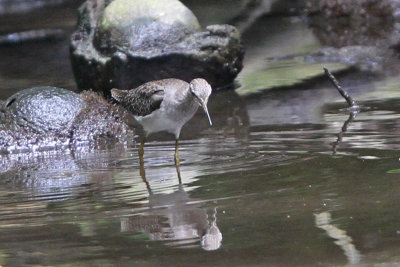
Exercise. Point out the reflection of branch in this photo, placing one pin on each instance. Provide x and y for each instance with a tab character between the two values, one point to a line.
351	117
349	99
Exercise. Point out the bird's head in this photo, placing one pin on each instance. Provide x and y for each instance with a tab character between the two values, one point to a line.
201	90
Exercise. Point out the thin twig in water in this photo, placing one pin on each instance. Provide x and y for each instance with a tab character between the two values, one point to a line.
346	96
352	106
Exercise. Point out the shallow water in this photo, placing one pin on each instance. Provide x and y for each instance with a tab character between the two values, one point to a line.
274	182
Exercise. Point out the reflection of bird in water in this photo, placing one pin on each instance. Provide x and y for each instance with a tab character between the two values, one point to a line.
213	237
165	105
171	218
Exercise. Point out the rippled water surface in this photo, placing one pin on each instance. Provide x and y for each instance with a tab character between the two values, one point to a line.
284	177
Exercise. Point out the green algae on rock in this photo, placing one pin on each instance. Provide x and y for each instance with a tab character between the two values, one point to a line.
125	43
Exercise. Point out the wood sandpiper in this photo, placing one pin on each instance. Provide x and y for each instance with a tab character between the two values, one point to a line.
165	105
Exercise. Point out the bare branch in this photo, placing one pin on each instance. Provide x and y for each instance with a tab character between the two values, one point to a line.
346	96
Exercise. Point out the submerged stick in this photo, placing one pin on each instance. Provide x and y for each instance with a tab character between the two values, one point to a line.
343	93
354	109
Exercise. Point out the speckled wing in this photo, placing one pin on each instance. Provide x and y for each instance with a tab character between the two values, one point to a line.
142	100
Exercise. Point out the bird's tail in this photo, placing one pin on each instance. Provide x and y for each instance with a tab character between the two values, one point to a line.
118	94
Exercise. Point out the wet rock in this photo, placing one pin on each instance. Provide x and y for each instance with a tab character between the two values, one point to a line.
47	118
364	33
345	23
366	58
43	109
387	9
124	43
100	121
345	32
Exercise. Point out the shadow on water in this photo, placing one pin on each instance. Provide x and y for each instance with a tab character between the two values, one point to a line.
284	177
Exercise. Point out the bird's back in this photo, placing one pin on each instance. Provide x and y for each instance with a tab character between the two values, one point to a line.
148	97
163	105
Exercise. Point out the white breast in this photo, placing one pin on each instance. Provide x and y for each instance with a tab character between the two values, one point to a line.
169	118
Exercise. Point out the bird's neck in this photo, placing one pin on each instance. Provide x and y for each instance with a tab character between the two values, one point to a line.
189	100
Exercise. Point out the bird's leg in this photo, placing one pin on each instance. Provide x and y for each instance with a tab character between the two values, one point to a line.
143	175
177	161
141	151
141	161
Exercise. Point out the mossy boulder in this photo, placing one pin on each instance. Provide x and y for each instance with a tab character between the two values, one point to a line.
125	43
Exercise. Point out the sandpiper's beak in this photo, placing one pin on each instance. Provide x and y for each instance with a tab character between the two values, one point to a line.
204	106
